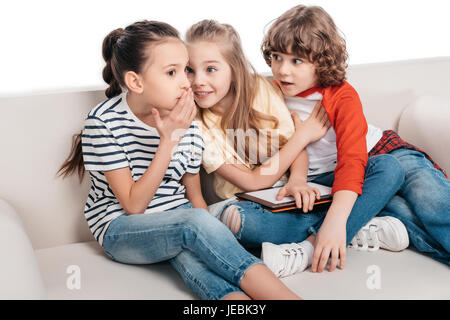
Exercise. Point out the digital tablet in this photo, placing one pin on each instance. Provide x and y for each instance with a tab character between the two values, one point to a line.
267	197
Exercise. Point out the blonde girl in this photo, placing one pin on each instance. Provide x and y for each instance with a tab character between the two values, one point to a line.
238	107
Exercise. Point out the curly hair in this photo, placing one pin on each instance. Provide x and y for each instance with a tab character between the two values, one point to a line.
309	32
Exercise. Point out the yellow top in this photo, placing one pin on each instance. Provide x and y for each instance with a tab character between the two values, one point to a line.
269	100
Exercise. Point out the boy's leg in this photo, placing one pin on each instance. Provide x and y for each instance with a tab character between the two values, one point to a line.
383	178
399	208
428	193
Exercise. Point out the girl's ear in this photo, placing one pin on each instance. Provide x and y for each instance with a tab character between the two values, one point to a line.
133	82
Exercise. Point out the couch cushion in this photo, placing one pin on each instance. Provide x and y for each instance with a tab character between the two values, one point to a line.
422	124
404	275
377	275
40	130
102	278
387	88
20	277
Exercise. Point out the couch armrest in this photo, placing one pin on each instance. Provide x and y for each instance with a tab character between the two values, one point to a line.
20	277
425	124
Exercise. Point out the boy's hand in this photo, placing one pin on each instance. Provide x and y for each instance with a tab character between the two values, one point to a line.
315	127
303	194
330	240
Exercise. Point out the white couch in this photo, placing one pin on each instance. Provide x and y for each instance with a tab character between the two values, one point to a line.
48	251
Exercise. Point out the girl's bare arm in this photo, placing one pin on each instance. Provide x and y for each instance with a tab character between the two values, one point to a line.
265	175
194	190
134	196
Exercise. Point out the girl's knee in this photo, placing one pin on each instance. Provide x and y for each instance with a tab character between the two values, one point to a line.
197	216
231	217
200	221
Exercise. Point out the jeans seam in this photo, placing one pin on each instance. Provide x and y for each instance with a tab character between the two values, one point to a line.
249	263
204	289
132	233
370	165
197	282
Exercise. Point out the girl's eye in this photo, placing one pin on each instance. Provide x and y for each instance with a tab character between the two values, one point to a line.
275	57
189	70
171	73
297	61
211	69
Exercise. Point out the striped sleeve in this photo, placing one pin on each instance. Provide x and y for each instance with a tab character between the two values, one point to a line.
197	147
101	151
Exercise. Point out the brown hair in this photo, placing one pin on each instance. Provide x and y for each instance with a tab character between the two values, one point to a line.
310	33
123	50
245	81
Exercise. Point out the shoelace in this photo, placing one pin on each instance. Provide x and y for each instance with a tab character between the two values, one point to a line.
366	239
293	258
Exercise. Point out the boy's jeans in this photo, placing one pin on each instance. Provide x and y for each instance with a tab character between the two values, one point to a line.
383	178
423	205
199	247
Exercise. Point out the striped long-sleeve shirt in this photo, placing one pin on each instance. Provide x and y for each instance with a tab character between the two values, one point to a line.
114	138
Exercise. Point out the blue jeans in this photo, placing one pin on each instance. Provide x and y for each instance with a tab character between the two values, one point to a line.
383	178
203	251
423	205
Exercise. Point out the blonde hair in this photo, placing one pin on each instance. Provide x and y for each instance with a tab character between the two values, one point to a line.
310	33
245	82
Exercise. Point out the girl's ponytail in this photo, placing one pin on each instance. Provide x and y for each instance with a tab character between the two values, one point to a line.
74	163
110	78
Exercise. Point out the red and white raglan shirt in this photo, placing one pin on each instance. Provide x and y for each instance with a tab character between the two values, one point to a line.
346	145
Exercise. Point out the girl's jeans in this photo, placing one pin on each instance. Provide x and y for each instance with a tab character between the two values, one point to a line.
423	205
203	251
383	178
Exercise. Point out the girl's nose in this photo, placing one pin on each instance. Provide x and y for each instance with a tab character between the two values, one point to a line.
198	79
185	83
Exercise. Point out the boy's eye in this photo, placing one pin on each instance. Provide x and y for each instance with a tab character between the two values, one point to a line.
171	73
275	57
297	61
211	69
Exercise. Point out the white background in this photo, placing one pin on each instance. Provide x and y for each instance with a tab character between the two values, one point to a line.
50	45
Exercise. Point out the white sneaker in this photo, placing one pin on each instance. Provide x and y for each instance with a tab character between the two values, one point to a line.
381	232
285	259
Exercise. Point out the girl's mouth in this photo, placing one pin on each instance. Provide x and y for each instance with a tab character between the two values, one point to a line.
202	94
